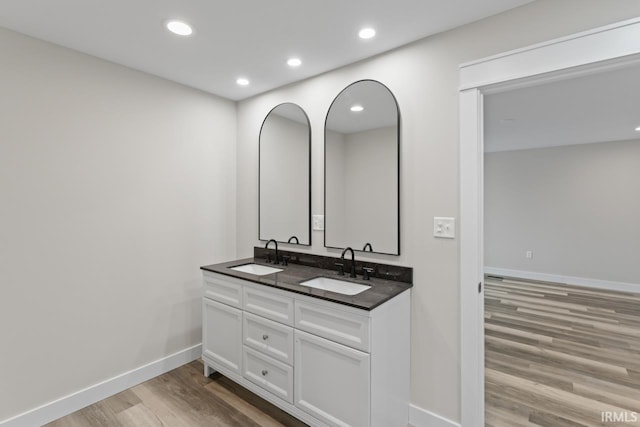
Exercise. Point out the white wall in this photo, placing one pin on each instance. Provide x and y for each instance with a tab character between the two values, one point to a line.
115	187
284	180
576	207
424	78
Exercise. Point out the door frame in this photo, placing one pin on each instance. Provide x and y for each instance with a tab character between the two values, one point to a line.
608	47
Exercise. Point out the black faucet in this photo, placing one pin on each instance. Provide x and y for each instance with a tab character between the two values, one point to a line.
365	247
291	238
277	261
353	261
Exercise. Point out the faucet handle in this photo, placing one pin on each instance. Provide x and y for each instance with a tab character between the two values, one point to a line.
340	266
285	260
268	260
366	272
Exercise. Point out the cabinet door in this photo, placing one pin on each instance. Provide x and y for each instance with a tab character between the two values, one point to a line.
332	381
222	334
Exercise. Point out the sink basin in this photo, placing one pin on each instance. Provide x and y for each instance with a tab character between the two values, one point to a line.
334	285
257	269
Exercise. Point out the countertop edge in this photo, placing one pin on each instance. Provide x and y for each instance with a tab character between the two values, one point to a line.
223	269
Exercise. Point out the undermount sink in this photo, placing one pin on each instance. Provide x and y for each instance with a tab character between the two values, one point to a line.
256	269
334	285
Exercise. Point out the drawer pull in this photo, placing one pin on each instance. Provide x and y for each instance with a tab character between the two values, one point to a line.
264	372
265	337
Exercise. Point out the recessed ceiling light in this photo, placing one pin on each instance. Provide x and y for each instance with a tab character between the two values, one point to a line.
242	81
367	33
357	108
294	62
180	28
638	129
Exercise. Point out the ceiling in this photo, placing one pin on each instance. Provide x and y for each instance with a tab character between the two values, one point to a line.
239	38
598	107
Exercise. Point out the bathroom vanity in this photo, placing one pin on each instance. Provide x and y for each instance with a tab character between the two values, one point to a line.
324	356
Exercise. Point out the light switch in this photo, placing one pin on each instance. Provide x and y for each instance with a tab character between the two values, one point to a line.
444	227
318	222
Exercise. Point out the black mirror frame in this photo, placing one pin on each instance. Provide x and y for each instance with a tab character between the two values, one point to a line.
309	172
398	165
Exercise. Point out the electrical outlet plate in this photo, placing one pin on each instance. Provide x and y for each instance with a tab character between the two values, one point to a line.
444	227
318	222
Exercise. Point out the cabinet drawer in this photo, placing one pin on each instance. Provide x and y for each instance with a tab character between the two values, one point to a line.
340	326
269	337
269	304
268	373
223	289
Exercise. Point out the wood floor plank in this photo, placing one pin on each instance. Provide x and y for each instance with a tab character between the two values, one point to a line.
558	355
121	401
138	416
550	400
545	419
97	415
252	412
263	405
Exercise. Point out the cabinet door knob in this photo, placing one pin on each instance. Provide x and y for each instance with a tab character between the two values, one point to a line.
264	372
265	337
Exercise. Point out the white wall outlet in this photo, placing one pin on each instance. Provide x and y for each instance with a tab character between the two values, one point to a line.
529	254
444	227
318	222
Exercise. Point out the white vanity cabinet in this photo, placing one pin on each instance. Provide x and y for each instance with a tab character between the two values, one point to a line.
326	363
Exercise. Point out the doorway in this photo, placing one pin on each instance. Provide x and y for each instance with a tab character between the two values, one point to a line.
609	47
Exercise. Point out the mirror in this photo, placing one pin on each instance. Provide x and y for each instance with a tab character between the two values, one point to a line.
362	152
285	176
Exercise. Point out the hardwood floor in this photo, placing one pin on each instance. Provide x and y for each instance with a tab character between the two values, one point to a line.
182	397
558	355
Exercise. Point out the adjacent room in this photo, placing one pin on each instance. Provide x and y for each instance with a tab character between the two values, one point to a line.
562	226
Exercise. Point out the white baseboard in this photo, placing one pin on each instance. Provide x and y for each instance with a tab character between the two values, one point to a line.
419	417
569	280
66	405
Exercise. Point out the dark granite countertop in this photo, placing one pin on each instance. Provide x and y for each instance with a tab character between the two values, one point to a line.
381	289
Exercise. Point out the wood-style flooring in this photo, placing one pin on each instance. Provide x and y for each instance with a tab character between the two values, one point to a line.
182	398
558	355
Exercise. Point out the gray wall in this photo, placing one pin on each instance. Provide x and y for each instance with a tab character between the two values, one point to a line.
284	180
424	78
115	187
576	207
336	182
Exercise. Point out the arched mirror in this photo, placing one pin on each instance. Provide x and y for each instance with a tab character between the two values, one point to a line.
362	169
285	176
